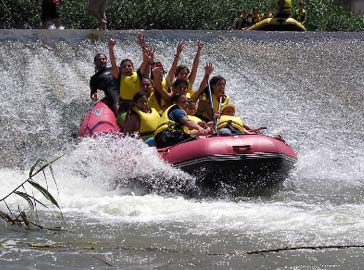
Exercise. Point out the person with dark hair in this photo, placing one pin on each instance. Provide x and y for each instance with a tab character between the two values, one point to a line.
129	79
249	20
103	80
256	16
230	124
147	86
240	22
182	71
174	122
300	13
50	13
219	98
155	100
191	111
97	9
180	86
140	119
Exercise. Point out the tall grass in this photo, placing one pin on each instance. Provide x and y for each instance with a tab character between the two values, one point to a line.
323	15
30	219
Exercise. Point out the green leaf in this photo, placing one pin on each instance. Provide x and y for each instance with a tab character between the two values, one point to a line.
42	167
44	192
33	168
26	197
29	198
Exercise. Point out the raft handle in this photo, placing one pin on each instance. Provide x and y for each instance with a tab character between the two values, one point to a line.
241	148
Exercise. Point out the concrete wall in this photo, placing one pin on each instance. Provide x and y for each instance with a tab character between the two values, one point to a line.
357	6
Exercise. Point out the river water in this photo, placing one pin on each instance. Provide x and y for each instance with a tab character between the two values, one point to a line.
306	86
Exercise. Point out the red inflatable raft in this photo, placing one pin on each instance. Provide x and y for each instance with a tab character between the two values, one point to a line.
100	119
241	160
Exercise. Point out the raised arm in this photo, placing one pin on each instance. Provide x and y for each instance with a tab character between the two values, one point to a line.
196	61
146	53
115	67
148	58
157	83
172	70
208	71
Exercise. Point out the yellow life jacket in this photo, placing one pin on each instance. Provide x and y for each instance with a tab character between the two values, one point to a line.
234	121
190	89
165	85
215	101
192	118
129	86
148	122
154	103
167	124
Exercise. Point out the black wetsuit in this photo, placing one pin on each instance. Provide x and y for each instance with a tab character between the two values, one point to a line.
103	80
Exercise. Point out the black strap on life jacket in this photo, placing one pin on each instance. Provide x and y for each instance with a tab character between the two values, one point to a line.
98	124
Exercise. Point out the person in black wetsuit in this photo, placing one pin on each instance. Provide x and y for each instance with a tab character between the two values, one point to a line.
103	80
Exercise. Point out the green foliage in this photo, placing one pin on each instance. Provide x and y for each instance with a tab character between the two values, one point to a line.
324	15
19	13
332	17
19	217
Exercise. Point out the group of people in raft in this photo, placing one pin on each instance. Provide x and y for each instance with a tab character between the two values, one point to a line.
247	19
164	110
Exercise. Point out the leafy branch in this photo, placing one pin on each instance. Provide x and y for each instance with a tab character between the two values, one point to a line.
20	217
